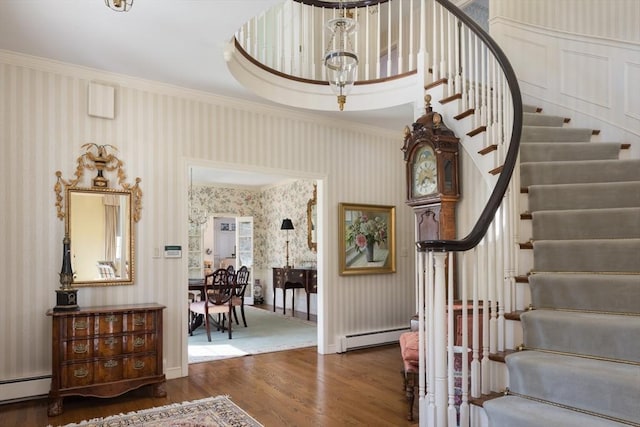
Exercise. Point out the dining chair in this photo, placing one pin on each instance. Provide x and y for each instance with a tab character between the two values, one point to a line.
220	299
242	280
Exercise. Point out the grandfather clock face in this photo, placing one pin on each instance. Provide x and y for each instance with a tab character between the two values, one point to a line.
424	174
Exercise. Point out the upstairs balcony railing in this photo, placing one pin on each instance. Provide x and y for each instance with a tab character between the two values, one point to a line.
440	50
290	37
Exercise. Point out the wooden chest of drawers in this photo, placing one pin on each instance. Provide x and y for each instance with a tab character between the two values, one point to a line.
105	351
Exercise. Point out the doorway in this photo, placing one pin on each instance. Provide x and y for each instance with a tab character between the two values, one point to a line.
222	187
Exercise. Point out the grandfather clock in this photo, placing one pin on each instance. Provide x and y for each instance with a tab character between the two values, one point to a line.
433	188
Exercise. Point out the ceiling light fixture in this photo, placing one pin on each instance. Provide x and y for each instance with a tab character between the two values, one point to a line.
340	59
119	5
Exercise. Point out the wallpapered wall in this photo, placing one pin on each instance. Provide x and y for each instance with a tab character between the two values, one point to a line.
268	207
160	130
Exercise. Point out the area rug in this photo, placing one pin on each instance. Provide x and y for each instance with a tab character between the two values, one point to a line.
266	332
216	411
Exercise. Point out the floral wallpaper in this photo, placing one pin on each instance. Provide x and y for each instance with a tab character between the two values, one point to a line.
268	208
288	201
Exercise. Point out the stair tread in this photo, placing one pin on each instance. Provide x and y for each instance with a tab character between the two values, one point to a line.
514	315
558	151
583	171
587	255
574	381
480	401
583	195
500	356
560	224
521	412
587	292
563	331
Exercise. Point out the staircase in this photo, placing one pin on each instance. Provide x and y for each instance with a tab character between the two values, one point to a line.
580	361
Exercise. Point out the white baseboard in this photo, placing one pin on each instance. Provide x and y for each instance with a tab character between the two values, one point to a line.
368	339
24	389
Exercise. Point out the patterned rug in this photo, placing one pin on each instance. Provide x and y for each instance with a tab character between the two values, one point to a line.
216	411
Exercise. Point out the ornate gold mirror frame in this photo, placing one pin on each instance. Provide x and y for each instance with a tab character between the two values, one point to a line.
312	220
99	243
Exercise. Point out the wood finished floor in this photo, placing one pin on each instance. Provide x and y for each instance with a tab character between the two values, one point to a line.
288	388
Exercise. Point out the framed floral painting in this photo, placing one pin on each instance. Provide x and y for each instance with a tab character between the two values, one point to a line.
367	239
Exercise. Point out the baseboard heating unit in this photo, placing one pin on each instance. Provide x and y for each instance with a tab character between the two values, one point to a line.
370	339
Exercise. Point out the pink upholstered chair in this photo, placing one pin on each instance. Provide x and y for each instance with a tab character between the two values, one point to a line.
409	344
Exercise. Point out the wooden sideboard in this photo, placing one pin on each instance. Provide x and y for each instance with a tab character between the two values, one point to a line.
294	278
105	351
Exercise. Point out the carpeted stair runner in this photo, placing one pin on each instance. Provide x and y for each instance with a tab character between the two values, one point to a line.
580	363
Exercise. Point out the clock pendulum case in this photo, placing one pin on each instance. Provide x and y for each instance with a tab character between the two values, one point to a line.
433	189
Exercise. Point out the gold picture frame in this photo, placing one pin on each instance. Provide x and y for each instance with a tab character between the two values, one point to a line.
367	239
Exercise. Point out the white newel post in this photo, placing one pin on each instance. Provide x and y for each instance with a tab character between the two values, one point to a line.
439	338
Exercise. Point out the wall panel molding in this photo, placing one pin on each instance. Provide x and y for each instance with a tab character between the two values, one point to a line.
591	68
632	83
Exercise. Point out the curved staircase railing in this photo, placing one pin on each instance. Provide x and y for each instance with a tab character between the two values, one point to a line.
483	86
476	91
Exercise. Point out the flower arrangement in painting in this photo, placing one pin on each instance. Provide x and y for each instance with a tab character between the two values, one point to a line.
365	231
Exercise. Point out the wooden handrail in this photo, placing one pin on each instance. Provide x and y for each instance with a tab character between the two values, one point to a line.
486	217
344	4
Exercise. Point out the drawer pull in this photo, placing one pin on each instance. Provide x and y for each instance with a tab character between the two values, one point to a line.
110	364
112	318
80	324
80	348
80	373
138	342
111	341
138	365
139	321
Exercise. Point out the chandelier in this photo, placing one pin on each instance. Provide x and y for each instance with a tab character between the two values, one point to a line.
197	215
119	5
340	59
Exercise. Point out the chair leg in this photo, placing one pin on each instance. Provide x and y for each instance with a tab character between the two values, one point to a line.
220	322
206	322
235	315
409	385
230	322
244	319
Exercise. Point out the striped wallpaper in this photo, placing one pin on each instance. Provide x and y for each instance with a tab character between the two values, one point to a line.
159	130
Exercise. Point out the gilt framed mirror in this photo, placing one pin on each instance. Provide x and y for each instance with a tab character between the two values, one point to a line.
99	220
312	220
